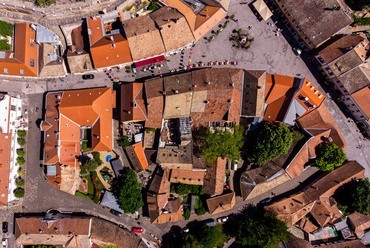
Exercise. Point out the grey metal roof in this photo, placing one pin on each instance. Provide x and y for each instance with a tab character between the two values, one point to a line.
51	170
44	35
117	166
110	201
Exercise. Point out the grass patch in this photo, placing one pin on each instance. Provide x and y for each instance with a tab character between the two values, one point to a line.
4	46
361	21
90	185
97	185
6	29
80	194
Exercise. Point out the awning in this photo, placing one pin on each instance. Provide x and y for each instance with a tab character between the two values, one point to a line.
150	61
262	9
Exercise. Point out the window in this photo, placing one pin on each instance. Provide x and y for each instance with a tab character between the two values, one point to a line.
21	71
6	70
32	63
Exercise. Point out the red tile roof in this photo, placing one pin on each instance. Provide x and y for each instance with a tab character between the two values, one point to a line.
132	102
5	154
24	60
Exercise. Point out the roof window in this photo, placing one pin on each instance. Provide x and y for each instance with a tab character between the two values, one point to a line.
21	71
6	70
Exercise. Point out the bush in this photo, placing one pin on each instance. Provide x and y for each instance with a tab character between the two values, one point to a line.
18	192
124	142
21	133
6	29
80	194
91	164
329	156
19	182
186	212
20	171
21	141
153	6
21	160
184	189
21	152
361	21
4	46
42	3
96	156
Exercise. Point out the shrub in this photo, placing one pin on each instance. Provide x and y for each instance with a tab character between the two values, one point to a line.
329	156
6	29
4	46
20	171
21	141
124	142
42	3
18	192
19	182
21	160
21	133
80	194
186	212
21	152
96	156
153	6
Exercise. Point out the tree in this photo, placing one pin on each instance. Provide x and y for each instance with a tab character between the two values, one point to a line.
329	156
91	164
21	160
354	196
96	156
358	4
203	236
20	171
128	191
21	141
108	246
184	189
18	192
125	142
21	152
19	182
257	229
43	3
223	144
21	133
268	142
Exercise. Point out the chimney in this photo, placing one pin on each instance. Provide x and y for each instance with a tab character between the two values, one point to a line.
207	82
164	92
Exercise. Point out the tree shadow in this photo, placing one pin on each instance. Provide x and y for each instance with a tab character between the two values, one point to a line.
172	239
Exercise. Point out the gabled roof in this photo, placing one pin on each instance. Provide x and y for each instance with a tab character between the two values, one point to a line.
192	177
215	177
107	49
221	203
5	154
359	222
340	47
316	19
254	93
155	99
202	16
133	102
174	28
356	78
346	62
295	207
361	98
135	154
24	59
144	38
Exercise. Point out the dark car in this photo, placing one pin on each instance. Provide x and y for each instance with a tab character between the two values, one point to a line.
88	76
265	201
5	227
115	212
210	222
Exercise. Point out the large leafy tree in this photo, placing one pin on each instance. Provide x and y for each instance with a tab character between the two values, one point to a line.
128	191
203	236
268	142
222	144
355	196
329	156
254	228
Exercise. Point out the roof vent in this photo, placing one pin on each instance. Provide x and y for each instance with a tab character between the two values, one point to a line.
232	84
308	83
230	100
176	91
207	82
206	101
306	98
164	92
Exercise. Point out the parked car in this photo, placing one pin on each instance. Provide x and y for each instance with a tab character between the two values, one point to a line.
185	230
265	201
5	227
5	243
88	76
222	219
115	212
297	51
137	230
210	222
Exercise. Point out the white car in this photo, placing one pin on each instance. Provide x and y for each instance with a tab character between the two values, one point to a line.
222	219
5	243
297	51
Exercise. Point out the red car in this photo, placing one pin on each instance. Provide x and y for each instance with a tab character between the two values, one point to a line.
137	230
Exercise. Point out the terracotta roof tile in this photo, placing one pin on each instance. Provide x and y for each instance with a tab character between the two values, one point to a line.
215	177
193	177
24	60
221	203
5	154
254	93
361	98
345	63
155	99
135	154
144	38
356	79
132	102
359	222
174	28
346	244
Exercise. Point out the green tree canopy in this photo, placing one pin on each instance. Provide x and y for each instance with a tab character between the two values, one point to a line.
96	156
223	144
21	133
19	182
44	2
204	236
253	228
21	141
124	142
355	196
21	152
329	156
184	189
358	4
91	164
21	160
18	192
128	191
268	142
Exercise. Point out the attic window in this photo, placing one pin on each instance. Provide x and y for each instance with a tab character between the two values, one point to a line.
32	63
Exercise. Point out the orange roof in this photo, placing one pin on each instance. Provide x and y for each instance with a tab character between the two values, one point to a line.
90	108
5	153
203	22
132	102
23	61
106	49
139	152
362	99
193	177
221	203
